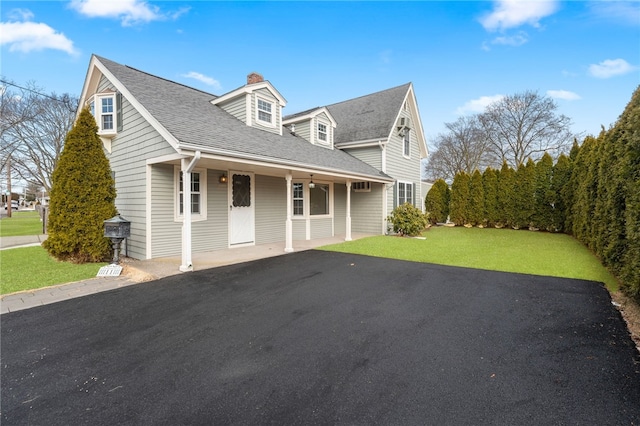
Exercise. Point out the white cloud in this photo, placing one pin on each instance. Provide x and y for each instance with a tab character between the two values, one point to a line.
610	68
514	13
210	81
32	36
623	12
20	15
130	12
516	40
478	105
563	94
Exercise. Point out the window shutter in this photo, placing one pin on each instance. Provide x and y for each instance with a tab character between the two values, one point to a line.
119	112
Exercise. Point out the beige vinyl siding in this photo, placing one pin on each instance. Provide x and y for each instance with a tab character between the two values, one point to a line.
404	169
270	209
212	234
321	227
303	130
366	215
371	155
129	148
166	232
266	95
237	107
340	209
299	227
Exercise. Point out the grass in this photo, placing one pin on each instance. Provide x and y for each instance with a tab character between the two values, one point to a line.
29	268
536	253
21	223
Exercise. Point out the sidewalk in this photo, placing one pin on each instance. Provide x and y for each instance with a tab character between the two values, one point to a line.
137	271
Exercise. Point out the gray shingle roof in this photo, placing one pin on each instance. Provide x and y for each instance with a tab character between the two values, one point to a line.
190	117
368	117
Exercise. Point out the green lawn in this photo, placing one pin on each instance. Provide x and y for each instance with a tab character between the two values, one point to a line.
21	223
537	253
31	267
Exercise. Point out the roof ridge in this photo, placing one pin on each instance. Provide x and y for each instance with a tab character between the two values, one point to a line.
171	81
370	94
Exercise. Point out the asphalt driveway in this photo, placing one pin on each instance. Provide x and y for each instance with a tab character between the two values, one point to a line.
324	338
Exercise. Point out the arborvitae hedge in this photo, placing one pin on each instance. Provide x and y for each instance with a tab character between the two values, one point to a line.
476	199
559	189
437	202
459	204
545	198
82	197
490	191
506	190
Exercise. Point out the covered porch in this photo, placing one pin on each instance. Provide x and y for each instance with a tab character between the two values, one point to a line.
151	269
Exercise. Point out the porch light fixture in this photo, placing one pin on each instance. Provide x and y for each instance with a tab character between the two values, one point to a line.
311	184
223	178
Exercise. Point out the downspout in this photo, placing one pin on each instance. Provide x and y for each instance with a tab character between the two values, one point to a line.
187	167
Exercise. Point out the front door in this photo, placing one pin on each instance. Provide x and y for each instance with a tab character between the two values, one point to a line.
241	210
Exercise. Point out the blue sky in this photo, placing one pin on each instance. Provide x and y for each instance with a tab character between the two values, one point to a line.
459	55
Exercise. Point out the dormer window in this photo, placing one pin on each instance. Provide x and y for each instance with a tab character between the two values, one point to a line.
265	113
322	132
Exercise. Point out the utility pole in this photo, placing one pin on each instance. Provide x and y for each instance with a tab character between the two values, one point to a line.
9	209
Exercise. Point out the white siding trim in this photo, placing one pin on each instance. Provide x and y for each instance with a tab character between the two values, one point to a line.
149	227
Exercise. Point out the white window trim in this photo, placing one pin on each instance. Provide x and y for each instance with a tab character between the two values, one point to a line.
307	201
96	100
195	217
413	188
407	136
273	104
326	132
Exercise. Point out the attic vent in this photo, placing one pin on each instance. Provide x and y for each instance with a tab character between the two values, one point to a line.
361	186
254	77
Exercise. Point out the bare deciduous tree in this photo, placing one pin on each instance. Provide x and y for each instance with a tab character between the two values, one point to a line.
525	125
33	131
462	149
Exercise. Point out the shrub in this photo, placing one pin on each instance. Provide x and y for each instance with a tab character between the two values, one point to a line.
82	197
437	202
408	220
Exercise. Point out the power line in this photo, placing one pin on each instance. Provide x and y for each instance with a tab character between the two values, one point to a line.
64	100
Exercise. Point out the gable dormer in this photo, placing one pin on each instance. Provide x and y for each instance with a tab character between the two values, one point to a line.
257	104
316	126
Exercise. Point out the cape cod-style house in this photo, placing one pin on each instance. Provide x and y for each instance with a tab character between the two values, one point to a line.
197	172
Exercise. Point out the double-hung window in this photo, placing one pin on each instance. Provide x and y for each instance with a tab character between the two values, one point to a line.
318	199
322	132
406	143
197	202
298	199
405	193
265	111
104	109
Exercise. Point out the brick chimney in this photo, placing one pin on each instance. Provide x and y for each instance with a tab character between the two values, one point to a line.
254	77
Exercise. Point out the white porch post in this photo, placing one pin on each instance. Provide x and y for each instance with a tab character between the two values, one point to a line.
187	168
288	245
348	225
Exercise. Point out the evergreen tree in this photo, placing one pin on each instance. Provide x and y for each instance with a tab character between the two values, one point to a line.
524	195
82	196
459	204
559	184
506	192
490	190
437	203
583	185
545	198
476	199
